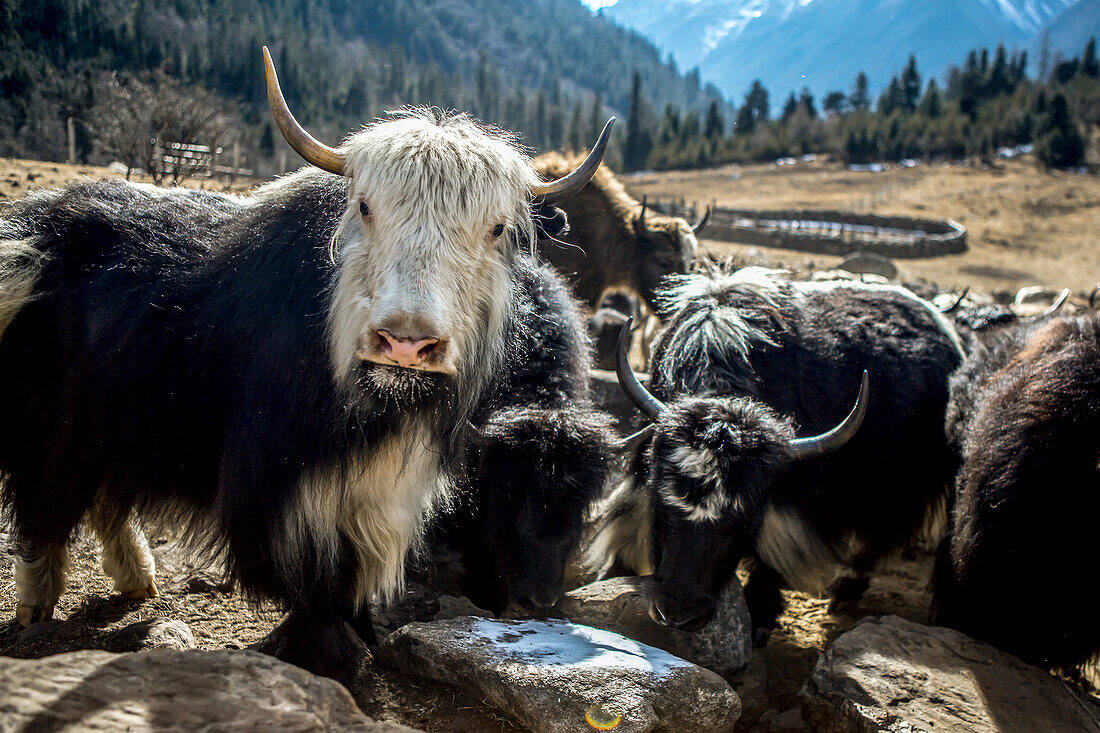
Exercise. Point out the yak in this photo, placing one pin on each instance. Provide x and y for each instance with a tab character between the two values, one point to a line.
972	320
299	375
613	240
1014	569
749	362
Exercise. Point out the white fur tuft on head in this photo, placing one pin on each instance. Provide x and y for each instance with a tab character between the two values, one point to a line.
436	187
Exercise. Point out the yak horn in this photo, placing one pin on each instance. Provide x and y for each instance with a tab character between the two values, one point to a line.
304	144
698	228
955	306
640	221
820	445
572	183
1092	295
631	442
1057	304
641	397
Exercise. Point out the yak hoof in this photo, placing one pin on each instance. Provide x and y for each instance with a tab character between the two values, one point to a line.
27	615
142	594
328	649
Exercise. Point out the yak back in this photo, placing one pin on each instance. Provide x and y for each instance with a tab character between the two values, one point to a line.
1028	494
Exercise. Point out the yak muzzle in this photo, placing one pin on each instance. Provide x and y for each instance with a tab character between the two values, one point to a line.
409	342
690	616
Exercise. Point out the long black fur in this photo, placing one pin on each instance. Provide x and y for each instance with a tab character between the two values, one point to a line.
175	361
1017	571
800	376
540	463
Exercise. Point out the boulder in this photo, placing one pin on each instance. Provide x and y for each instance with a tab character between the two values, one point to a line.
889	674
166	690
553	676
622	605
154	633
869	263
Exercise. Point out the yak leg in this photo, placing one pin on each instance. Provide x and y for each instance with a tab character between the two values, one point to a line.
763	600
40	575
127	558
363	624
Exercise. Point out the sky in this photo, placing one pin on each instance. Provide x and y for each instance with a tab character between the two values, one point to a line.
597	4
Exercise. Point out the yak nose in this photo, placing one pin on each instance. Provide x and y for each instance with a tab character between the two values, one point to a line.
693	619
406	351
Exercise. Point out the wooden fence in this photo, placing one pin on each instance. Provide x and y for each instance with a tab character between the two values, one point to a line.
184	160
826	232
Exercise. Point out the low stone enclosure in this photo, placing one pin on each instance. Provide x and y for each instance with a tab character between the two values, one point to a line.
827	232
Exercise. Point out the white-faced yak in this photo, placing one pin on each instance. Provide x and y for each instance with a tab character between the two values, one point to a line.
298	375
758	452
1018	564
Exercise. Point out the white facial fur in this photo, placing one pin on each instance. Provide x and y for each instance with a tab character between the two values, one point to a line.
435	192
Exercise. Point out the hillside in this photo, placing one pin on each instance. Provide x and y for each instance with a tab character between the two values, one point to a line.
1072	29
531	65
823	44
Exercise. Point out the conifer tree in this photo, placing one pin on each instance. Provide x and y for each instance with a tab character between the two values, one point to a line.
860	98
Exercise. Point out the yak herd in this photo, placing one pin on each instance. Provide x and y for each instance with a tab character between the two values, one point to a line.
309	378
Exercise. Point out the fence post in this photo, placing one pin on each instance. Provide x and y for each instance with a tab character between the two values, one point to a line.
71	129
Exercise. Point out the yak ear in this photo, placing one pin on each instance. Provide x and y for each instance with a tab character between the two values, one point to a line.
550	220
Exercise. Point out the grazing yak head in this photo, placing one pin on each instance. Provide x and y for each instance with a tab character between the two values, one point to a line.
713	463
666	244
437	207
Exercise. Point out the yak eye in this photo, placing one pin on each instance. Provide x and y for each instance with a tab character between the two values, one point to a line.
497	230
364	209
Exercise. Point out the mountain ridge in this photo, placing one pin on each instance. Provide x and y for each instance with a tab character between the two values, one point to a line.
823	44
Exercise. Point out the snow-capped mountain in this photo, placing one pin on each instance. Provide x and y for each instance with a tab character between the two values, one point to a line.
823	44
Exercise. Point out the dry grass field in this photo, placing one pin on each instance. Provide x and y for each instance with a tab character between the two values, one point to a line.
1026	226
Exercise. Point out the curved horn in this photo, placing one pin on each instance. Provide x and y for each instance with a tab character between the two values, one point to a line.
631	442
304	144
1092	295
820	445
572	183
640	221
1057	304
957	304
646	402
698	228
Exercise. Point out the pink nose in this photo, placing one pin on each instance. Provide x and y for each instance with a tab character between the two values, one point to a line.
406	351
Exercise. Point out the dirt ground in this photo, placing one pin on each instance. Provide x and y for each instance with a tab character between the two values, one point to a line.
220	619
1026	228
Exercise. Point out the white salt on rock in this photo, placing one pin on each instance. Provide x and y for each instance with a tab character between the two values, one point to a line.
546	675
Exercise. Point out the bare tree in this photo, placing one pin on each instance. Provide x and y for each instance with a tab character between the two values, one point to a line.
153	122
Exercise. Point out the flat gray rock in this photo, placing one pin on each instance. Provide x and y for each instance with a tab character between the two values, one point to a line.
154	633
889	674
548	675
869	263
622	605
172	691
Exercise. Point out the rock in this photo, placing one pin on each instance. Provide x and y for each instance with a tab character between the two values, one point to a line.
547	675
202	581
869	263
49	637
621	605
165	690
455	606
155	633
889	674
